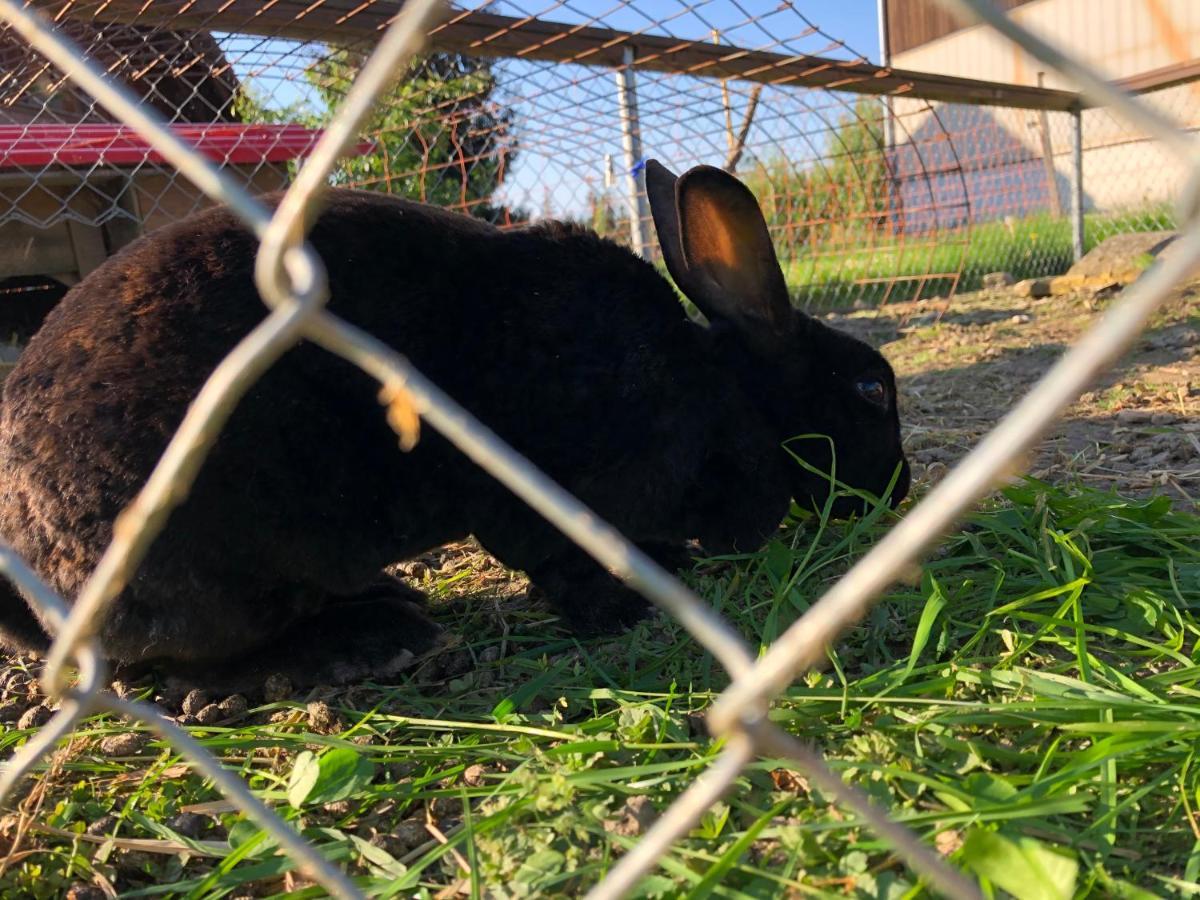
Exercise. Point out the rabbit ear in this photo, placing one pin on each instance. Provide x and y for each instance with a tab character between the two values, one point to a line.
660	189
731	269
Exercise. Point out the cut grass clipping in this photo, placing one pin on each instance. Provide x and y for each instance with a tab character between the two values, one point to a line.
1030	707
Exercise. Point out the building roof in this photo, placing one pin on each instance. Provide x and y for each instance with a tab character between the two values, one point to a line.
36	146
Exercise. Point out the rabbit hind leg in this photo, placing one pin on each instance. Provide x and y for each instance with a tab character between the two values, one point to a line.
372	635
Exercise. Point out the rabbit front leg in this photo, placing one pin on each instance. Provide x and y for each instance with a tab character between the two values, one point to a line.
592	601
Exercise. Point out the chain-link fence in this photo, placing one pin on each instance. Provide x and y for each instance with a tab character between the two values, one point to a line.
103	105
869	200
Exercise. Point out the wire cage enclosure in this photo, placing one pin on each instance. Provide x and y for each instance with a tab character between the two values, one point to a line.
513	115
501	120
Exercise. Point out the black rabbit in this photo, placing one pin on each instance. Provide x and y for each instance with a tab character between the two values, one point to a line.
569	346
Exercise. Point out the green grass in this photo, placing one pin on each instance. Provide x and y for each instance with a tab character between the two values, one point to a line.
1033	700
1031	247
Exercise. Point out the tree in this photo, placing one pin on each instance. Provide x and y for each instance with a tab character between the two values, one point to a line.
439	135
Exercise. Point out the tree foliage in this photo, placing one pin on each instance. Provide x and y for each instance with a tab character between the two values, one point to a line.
440	136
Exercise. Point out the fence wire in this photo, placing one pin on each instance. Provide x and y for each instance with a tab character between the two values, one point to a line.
290	278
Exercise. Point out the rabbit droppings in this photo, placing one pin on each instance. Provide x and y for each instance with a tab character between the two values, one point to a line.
569	346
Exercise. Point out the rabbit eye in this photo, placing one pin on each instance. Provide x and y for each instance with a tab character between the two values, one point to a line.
873	390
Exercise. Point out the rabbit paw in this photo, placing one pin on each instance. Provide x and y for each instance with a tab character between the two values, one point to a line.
375	635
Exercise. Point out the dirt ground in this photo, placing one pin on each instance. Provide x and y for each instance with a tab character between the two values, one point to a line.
1137	431
961	366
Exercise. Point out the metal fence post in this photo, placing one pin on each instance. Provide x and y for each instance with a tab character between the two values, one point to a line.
1077	182
631	141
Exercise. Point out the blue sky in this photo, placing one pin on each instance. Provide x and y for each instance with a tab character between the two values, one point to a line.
569	124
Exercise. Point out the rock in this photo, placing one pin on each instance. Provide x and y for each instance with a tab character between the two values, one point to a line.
417	570
11	710
20	685
1069	284
409	835
277	687
194	702
103	826
1163	418
1134	416
1032	287
935	472
933	454
233	707
1174	340
1020	319
637	815
474	775
209	715
948	841
456	664
128	744
123	689
1121	258
1159	460
321	717
81	891
994	281
489	655
190	825
35	717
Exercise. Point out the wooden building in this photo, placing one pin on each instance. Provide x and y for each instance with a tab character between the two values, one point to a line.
1156	40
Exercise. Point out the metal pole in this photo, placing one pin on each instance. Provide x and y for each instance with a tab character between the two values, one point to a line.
1077	182
885	60
1043	118
631	141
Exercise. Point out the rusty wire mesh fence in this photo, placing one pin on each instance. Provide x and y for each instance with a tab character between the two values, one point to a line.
121	116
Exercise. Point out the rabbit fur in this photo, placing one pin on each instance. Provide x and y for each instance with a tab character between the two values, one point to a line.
569	346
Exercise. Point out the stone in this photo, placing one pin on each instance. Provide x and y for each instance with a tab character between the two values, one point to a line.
321	717
210	715
12	709
634	818
103	826
994	281
190	825
128	744
1134	416
35	717
277	687
1032	287
233	707
1121	258
474	775
194	702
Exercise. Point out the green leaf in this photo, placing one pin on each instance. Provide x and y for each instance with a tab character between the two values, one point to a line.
652	886
251	840
779	560
344	772
989	787
1022	866
933	608
388	865
540	867
305	772
335	775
